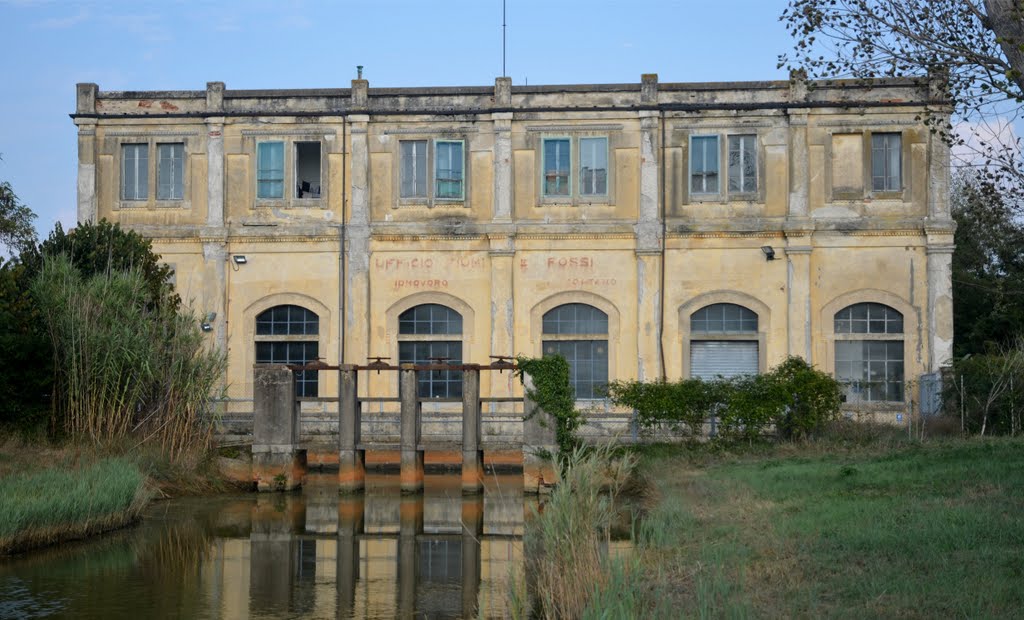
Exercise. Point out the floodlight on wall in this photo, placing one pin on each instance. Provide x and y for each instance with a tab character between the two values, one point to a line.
769	252
205	325
239	259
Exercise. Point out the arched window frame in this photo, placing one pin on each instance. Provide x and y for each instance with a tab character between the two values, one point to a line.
587	382
300	341
912	353
434	383
686	335
884	325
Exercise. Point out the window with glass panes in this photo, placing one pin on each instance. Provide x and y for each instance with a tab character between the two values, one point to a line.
723	342
170	171
886	153
579	333
869	352
743	164
557	164
270	170
288	334
413	168
134	171
704	165
448	169
428	332
593	166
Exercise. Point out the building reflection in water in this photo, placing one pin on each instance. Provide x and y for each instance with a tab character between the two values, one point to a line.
378	554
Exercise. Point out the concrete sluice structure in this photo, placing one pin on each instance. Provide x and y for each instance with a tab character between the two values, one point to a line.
377	554
280	462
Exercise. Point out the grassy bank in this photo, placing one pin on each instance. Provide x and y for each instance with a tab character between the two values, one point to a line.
830	530
61	503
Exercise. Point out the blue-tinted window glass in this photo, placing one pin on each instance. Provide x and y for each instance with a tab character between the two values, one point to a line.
270	170
718	318
557	163
448	170
704	165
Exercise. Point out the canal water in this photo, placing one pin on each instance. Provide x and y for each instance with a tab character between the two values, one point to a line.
309	554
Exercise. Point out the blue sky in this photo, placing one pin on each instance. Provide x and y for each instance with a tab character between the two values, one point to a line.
49	45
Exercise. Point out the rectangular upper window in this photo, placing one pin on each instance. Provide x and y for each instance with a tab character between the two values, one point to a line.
557	163
270	170
307	169
448	170
743	164
704	165
414	169
134	171
170	177
593	166
885	162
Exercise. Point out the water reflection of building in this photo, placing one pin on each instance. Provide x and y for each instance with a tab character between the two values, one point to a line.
374	555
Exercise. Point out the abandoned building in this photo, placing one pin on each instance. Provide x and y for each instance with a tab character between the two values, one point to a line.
641	230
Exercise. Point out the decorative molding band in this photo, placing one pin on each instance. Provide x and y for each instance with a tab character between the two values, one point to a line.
572	236
312	131
431	131
725	126
427	237
580	127
868	124
909	232
501	252
436	205
166	133
721	234
798	249
939	249
655	252
87	132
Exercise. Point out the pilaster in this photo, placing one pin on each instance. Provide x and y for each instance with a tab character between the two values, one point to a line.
86	211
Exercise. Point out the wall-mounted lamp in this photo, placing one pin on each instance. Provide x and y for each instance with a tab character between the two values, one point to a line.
239	259
205	324
769	252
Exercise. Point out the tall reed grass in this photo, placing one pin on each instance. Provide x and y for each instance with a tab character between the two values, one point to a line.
566	541
125	366
42	507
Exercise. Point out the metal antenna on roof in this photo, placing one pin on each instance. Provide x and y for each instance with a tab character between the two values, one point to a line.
503	27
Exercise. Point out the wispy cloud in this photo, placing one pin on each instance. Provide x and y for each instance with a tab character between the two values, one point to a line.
62	23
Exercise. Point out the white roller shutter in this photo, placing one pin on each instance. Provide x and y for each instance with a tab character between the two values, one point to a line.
726	358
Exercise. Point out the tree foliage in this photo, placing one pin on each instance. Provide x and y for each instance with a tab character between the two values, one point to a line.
102	248
16	231
988	265
978	45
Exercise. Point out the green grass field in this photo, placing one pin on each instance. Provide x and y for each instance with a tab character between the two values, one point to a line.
59	503
914	530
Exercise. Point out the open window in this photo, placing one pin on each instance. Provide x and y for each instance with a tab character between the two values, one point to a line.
307	169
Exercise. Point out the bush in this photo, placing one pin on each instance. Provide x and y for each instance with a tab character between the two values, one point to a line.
988	391
554	394
793	397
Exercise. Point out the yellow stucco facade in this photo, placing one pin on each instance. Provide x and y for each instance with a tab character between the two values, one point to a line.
649	202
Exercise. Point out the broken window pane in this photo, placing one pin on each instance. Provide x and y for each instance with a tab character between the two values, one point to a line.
743	164
307	169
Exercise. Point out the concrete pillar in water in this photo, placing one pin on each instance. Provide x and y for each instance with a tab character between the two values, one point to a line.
540	444
472	455
350	527
411	474
351	460
277	462
410	526
273	550
472	528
